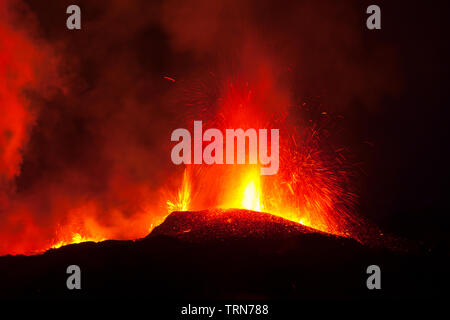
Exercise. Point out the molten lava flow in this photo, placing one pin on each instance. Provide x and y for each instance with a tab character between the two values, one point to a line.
183	197
76	238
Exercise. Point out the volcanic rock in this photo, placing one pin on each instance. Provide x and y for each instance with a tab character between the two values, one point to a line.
218	224
223	254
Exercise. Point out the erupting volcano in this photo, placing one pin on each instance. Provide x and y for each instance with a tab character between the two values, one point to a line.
237	149
314	183
313	186
86	156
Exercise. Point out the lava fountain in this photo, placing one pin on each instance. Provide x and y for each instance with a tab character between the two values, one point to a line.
313	186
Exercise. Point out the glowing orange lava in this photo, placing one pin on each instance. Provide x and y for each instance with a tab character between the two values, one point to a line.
182	199
312	186
249	194
76	238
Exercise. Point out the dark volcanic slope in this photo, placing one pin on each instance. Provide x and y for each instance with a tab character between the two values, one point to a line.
217	224
223	254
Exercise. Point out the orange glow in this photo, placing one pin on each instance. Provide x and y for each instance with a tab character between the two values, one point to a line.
76	238
311	188
251	199
249	193
183	196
